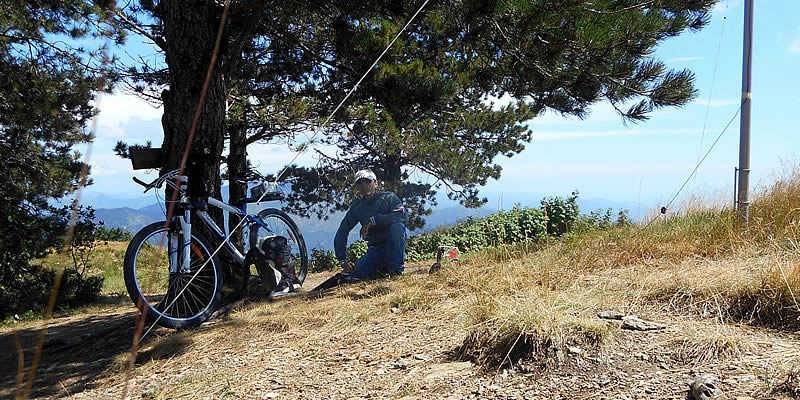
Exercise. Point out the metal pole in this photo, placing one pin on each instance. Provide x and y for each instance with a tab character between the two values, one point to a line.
735	177
744	125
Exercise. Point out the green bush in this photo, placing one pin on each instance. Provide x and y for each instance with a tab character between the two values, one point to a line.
505	227
325	260
112	234
555	217
322	260
356	250
602	219
26	285
561	213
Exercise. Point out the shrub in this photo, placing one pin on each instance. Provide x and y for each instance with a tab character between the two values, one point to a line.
556	217
356	250
26	286
505	227
322	260
561	213
112	234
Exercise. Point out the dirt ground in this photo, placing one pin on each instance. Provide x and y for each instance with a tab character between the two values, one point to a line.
361	342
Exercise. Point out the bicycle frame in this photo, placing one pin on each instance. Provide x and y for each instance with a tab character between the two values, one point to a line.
220	234
185	222
231	210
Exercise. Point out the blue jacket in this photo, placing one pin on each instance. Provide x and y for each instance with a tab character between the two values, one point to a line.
380	209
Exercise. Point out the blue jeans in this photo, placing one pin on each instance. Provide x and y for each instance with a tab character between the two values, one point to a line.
385	258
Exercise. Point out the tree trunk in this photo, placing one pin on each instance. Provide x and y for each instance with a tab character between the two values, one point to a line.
190	28
237	174
393	174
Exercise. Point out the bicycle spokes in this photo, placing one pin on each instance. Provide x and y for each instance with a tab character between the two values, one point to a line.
163	284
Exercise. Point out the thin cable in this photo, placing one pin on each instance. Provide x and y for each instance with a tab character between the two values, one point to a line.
300	151
330	116
713	85
696	167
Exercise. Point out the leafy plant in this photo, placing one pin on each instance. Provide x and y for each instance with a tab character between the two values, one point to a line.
28	286
506	227
322	260
356	250
561	213
112	234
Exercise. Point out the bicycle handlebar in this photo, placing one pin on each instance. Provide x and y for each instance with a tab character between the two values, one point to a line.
147	186
265	187
158	182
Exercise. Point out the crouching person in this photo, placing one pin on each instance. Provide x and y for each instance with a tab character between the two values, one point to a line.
383	226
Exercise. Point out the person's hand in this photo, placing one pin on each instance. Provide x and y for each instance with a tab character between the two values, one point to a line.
365	230
346	266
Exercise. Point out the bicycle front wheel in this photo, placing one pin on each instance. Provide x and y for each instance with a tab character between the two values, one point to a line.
162	292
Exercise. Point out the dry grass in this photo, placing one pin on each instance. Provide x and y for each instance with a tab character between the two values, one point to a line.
701	344
756	290
520	303
507	330
790	385
219	384
710	231
525	310
532	301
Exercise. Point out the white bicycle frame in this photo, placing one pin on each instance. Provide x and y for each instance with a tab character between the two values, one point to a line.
185	222
231	210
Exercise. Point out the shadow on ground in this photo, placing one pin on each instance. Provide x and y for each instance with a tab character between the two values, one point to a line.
76	353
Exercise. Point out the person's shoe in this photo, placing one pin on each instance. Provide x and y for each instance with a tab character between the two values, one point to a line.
286	287
347	277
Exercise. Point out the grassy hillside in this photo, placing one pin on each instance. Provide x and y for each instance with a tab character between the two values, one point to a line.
701	263
510	321
105	260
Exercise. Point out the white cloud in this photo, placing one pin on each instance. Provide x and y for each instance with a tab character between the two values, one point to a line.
118	109
601	112
794	47
272	158
109	165
498	102
604	169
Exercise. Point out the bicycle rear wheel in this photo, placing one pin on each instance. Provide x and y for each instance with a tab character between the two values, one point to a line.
275	222
173	299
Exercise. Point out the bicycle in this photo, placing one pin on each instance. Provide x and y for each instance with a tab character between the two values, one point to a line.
172	272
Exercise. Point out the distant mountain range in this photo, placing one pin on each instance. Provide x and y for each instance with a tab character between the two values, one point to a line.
318	233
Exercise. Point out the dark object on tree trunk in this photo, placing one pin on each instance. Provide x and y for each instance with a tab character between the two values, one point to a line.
146	157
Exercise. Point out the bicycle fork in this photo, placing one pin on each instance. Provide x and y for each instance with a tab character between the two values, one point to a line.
180	243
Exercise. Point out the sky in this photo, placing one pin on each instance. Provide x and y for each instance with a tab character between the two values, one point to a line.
601	156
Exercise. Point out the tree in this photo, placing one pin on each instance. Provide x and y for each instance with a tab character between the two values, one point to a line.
427	107
46	89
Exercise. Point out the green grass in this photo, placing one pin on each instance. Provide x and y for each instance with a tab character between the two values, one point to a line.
106	261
